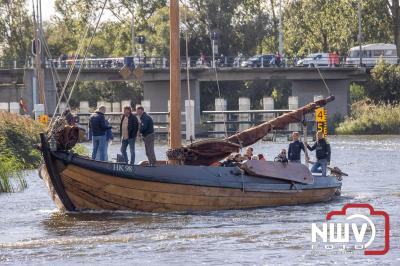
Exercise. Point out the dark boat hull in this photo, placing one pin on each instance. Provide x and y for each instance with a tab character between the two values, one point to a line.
76	183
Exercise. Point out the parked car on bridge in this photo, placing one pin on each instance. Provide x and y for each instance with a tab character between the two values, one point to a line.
316	59
259	61
372	53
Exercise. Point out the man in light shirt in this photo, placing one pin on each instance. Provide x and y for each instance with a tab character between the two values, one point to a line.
129	128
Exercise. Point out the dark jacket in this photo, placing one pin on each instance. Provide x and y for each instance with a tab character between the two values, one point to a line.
230	163
294	150
281	159
133	126
109	134
322	149
146	125
97	124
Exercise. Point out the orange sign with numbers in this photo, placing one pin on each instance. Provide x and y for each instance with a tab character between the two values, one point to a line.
321	120
44	119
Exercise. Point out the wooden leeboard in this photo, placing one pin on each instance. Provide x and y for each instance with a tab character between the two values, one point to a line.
286	171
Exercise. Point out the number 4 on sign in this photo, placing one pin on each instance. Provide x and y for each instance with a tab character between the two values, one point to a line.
320	115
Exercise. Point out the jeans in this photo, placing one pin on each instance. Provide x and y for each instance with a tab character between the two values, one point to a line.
320	163
131	143
106	152
149	146
99	144
295	161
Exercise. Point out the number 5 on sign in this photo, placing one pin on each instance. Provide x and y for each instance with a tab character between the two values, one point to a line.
320	115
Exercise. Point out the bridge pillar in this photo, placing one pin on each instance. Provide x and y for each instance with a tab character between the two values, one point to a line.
31	93
244	105
307	89
50	92
293	103
84	107
220	105
268	104
189	119
4	107
116	107
125	103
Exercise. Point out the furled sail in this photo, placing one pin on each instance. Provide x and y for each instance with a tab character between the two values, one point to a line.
207	152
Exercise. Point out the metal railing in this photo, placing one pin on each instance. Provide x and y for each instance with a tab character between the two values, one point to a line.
160	120
215	122
192	61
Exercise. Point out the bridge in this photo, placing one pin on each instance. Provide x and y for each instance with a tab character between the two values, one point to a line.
306	81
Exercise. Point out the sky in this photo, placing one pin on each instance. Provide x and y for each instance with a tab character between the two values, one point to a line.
47	8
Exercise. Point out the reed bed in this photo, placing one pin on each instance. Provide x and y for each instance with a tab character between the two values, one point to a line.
367	118
18	134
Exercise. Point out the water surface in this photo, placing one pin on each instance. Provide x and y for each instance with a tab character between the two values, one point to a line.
33	231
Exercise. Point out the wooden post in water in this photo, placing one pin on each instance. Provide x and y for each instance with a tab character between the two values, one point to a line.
175	80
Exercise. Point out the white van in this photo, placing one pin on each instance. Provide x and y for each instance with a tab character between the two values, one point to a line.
316	59
372	53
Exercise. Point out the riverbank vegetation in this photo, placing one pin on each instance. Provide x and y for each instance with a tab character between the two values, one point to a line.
369	118
375	105
18	134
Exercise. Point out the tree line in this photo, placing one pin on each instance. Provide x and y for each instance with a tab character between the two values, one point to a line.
244	26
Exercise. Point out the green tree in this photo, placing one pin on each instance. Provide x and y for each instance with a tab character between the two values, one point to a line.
16	30
326	25
384	83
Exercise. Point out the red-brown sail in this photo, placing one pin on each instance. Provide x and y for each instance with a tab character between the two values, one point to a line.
207	152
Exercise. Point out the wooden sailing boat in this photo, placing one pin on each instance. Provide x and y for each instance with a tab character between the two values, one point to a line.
186	182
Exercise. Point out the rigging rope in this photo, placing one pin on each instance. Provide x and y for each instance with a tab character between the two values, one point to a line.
213	65
86	51
75	60
53	69
323	80
187	75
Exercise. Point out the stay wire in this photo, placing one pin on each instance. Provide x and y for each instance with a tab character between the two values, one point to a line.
71	69
86	51
53	69
188	72
323	80
214	66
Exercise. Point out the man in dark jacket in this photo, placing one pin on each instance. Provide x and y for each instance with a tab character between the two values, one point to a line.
147	132
295	149
98	127
323	153
128	129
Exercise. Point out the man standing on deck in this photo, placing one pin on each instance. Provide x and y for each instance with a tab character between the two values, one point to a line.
323	153
147	131
295	149
98	126
128	131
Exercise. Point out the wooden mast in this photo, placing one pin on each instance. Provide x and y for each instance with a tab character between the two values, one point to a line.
175	80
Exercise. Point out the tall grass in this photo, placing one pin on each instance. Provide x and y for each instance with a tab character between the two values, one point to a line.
11	178
18	134
367	118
